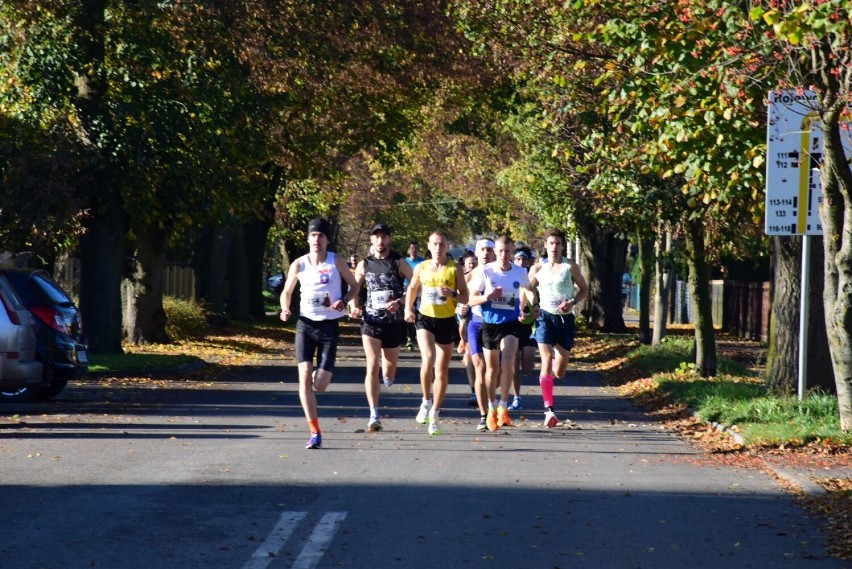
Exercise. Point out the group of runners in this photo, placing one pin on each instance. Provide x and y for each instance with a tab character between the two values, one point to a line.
486	306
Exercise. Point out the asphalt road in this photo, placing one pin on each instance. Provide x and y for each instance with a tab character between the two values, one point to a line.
213	473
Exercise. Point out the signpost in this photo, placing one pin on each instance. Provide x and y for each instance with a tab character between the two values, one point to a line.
794	153
793	191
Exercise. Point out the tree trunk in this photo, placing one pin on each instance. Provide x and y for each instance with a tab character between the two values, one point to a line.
820	372
255	239
646	262
210	264
664	277
142	290
782	356
102	269
699	287
836	216
603	259
105	226
237	276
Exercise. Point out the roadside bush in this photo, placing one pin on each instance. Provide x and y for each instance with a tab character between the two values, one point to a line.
185	319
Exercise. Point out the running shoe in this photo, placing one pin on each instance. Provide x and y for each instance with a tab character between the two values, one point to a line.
435	427
423	414
550	419
375	424
409	345
516	404
387	382
503	417
315	441
491	420
471	400
483	424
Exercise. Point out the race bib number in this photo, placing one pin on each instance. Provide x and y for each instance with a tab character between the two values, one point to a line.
380	298
320	299
503	303
551	303
432	295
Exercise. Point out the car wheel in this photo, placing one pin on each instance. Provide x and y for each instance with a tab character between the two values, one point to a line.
17	395
55	388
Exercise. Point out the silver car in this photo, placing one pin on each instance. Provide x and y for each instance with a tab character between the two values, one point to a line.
18	366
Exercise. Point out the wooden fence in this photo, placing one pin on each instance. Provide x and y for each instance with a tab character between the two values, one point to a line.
738	307
180	281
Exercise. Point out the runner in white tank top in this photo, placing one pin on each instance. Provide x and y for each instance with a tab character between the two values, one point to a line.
321	307
560	287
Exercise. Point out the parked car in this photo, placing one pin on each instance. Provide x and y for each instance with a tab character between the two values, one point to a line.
60	344
275	284
19	367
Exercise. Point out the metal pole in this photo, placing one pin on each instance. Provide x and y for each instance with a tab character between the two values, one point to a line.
804	311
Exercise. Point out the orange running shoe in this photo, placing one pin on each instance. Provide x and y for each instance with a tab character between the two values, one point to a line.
491	420
503	417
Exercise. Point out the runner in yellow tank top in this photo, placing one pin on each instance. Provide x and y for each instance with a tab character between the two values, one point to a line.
443	285
433	281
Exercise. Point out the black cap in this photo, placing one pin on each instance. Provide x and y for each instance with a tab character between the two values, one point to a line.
319	224
383	227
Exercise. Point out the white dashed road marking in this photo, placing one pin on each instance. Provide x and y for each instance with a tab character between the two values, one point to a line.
315	546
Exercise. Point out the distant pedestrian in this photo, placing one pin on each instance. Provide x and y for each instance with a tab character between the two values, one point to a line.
626	281
319	273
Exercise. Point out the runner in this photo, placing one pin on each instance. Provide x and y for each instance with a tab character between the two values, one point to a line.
443	285
413	259
526	343
463	316
560	287
383	327
500	287
319	272
484	255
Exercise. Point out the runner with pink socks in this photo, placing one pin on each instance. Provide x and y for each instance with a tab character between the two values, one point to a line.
560	287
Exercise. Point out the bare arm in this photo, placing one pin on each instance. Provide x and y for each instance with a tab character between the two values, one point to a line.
461	286
355	292
475	297
289	287
580	283
346	275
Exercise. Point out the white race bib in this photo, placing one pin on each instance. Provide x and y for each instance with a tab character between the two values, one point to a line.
551	303
320	299
503	303
432	295
380	298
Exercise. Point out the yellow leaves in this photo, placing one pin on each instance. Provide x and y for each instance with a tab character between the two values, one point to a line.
680	101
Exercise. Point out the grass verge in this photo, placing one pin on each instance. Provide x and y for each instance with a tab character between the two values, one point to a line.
736	397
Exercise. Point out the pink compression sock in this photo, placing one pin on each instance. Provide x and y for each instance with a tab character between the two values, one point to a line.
546	382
